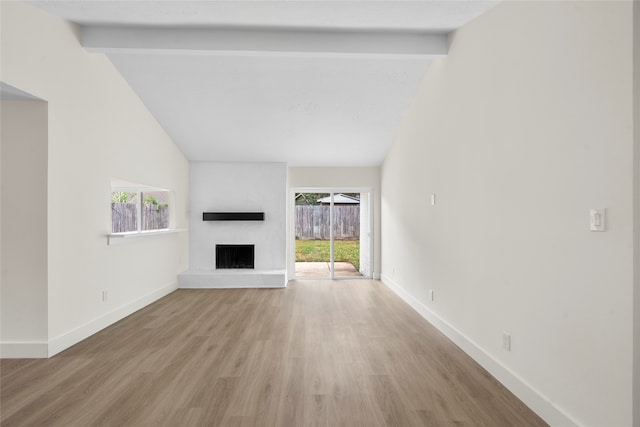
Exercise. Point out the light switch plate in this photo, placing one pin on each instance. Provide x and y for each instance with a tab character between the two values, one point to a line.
597	219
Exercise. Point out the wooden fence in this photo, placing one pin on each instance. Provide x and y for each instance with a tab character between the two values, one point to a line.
312	222
124	217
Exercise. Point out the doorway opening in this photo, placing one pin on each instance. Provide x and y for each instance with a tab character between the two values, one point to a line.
331	233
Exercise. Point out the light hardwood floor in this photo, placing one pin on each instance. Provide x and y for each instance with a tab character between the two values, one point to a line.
318	353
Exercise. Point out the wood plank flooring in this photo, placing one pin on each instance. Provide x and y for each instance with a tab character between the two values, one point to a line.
318	353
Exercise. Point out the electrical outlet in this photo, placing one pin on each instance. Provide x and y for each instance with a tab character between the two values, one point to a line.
105	296
431	295
506	341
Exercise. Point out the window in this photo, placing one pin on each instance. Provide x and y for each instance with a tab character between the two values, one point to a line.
124	212
155	210
139	208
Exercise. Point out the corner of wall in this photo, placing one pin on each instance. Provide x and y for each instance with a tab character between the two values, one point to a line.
636	213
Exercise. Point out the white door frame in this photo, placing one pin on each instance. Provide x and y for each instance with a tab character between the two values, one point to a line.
292	228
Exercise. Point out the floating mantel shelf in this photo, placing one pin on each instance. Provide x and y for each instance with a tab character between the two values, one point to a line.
233	216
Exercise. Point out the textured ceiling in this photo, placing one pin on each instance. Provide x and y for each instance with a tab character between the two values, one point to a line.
316	98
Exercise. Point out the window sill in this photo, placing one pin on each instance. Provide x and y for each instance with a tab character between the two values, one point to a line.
117	237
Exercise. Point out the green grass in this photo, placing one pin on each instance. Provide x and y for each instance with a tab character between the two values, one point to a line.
318	251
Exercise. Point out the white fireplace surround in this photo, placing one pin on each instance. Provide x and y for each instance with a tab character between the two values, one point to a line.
237	187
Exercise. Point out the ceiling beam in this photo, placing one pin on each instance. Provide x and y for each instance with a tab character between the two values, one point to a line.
111	39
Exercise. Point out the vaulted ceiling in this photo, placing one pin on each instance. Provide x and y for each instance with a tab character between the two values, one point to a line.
310	83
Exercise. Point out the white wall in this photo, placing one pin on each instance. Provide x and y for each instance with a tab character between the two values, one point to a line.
23	143
636	212
524	127
341	177
238	187
98	129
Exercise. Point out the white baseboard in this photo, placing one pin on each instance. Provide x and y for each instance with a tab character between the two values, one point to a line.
66	340
24	350
535	400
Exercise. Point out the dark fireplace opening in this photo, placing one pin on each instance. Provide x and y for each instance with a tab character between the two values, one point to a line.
234	256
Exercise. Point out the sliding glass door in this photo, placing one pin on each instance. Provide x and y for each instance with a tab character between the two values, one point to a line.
312	235
332	234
